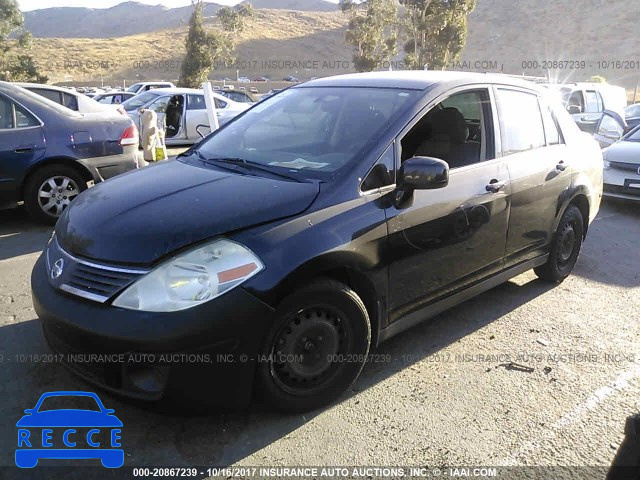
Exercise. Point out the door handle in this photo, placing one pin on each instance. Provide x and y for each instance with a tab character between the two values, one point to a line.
561	167
495	186
24	149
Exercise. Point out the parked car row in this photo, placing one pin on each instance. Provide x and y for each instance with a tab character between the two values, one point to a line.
181	111
597	108
93	146
48	152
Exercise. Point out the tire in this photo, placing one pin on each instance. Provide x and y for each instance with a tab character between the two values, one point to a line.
328	324
565	249
40	186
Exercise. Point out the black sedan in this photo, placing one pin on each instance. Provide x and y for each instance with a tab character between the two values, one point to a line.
48	153
273	255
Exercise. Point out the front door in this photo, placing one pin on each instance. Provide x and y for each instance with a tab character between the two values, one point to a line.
442	240
591	108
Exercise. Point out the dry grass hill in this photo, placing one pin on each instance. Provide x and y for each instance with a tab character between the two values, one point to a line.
504	32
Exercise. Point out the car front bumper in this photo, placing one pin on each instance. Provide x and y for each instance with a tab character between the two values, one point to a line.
202	356
104	168
623	184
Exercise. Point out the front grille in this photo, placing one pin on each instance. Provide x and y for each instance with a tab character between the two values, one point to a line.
629	167
616	189
90	280
100	282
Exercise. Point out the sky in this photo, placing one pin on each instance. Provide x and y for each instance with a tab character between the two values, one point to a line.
26	5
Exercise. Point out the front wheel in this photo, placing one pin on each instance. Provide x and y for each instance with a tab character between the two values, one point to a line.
565	249
316	348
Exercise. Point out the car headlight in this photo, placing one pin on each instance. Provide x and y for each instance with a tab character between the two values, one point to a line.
192	278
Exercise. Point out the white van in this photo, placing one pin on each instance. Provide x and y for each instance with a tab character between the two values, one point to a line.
586	102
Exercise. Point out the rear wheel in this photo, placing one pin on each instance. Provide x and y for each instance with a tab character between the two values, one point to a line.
50	190
565	248
316	348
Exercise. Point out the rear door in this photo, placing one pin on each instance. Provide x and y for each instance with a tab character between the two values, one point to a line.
539	168
22	143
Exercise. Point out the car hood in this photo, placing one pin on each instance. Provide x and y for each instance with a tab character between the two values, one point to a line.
624	152
141	216
69	418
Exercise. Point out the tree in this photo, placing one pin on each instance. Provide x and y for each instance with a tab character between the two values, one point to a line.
436	31
205	49
597	79
372	30
15	64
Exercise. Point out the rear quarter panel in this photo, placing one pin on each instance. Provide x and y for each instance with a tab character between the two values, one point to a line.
586	162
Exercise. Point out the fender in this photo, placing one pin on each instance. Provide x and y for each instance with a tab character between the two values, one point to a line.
63	160
580	195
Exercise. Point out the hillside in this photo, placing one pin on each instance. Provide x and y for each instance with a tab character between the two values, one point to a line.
314	40
501	32
532	30
301	5
132	18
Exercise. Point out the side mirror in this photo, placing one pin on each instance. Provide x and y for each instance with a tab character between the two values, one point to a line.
29	411
423	173
573	109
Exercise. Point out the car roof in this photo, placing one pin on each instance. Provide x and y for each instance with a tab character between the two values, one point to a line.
416	79
187	91
47	87
176	91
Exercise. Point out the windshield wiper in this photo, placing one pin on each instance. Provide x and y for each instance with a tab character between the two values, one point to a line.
249	165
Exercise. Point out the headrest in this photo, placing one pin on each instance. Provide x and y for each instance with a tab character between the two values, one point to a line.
449	121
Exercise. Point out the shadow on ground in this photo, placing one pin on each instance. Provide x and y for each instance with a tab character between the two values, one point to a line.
610	252
19	235
223	438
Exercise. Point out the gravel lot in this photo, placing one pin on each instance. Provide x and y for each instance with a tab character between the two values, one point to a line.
448	395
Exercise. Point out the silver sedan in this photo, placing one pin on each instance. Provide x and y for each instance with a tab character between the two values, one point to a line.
181	111
622	167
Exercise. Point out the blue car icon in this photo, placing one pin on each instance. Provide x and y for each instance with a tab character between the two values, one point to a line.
81	430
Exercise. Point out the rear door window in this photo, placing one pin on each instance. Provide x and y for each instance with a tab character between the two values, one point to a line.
70	101
594	102
6	114
521	124
196	102
24	119
53	95
13	116
551	130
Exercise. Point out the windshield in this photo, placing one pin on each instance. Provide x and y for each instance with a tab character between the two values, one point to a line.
633	136
311	131
632	111
139	101
134	88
